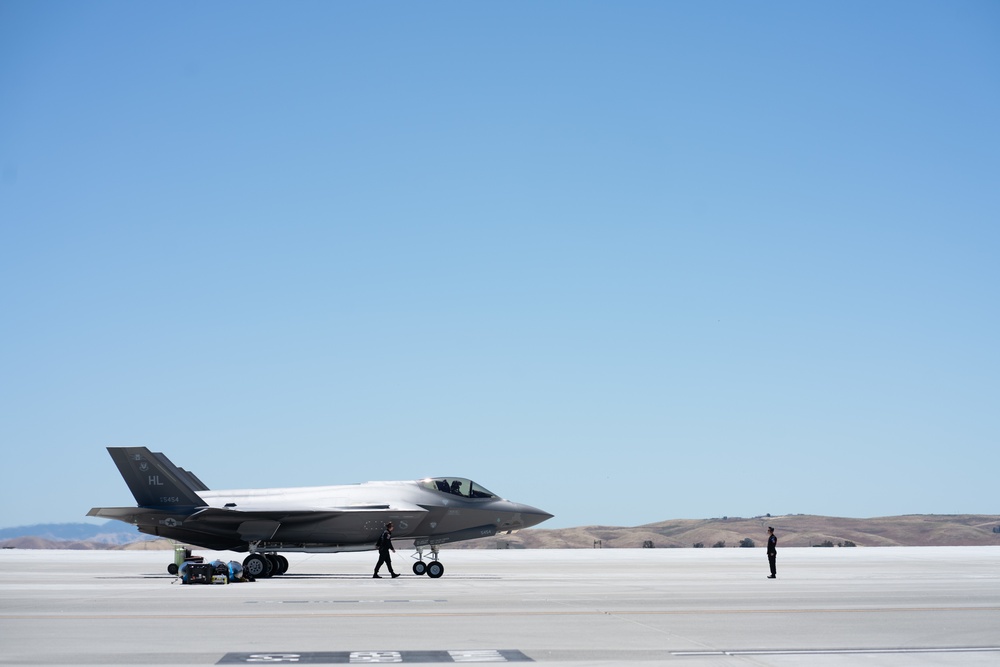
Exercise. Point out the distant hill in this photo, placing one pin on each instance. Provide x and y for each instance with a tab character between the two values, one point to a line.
797	530
71	536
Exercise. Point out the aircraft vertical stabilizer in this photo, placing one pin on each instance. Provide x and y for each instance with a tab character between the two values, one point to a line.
154	480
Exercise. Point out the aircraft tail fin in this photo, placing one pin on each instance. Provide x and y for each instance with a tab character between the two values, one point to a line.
155	481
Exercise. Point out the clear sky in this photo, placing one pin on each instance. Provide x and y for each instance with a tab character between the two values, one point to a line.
624	261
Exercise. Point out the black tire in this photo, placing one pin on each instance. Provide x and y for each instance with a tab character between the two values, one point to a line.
257	566
282	564
420	568
173	569
435	570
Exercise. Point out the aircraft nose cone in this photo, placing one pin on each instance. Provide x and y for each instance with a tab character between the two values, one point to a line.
532	516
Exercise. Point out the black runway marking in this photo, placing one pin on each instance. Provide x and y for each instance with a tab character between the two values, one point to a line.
373	657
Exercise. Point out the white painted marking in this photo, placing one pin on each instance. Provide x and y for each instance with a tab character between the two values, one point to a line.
375	657
270	658
477	656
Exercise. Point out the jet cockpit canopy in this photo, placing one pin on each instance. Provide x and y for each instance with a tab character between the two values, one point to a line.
458	486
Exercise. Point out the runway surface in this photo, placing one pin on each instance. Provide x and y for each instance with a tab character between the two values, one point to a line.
691	607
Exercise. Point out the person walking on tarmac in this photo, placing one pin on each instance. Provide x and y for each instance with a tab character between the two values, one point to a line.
384	546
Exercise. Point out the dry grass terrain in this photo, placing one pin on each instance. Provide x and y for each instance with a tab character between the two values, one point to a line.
796	530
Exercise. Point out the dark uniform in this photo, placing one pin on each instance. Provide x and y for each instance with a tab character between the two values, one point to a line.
384	545
772	553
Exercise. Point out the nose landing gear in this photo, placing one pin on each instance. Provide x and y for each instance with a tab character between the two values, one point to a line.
434	569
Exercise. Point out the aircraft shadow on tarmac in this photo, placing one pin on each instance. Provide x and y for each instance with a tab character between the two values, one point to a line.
299	576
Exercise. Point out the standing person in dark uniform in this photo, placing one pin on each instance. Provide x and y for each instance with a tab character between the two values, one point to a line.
772	552
384	545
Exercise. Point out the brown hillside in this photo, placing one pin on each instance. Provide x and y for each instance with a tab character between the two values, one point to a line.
29	542
799	530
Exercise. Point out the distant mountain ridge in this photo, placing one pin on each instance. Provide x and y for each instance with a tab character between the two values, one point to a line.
795	530
83	535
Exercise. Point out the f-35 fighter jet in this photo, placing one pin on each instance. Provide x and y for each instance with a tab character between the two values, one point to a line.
175	504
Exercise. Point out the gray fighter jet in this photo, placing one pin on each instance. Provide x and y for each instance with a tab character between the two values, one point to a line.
174	503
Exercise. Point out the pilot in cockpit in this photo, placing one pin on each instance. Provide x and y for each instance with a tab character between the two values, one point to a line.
456	487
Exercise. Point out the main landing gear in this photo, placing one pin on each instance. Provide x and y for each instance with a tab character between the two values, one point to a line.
433	569
262	566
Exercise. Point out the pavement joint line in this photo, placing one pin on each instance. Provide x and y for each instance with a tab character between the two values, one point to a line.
838	651
494	614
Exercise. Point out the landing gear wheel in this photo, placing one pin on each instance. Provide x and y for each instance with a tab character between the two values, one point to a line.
435	570
173	569
275	565
257	566
282	564
419	568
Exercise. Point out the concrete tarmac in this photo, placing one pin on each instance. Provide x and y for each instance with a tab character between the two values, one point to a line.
691	607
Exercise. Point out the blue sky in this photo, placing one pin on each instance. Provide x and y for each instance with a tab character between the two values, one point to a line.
623	261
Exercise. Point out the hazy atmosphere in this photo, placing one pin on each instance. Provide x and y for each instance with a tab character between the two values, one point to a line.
621	261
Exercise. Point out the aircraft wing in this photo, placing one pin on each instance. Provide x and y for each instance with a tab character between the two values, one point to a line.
306	511
129	514
303	515
264	523
349	523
